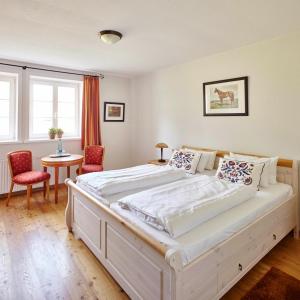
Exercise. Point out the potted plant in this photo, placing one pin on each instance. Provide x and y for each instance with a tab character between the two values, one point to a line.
52	132
59	133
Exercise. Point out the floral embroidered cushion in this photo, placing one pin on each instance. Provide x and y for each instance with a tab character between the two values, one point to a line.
187	160
236	171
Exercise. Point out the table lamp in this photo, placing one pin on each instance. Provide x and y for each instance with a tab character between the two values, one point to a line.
161	146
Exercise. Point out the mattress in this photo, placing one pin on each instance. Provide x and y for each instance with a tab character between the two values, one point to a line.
207	235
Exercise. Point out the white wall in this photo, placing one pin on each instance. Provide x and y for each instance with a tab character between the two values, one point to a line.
169	102
116	136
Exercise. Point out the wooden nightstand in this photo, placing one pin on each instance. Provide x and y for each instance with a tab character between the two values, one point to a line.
156	162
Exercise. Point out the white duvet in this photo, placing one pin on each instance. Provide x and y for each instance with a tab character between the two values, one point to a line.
180	206
116	181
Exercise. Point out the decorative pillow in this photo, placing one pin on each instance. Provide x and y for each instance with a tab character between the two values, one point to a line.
204	159
269	172
236	171
184	159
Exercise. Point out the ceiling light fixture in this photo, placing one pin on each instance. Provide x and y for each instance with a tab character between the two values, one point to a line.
110	36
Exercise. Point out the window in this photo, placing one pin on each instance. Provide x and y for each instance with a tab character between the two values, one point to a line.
54	103
8	106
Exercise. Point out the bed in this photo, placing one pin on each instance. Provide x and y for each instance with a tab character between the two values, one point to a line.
151	265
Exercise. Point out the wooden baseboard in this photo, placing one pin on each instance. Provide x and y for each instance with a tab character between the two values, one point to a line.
38	189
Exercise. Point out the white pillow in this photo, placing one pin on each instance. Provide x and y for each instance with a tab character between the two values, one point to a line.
238	171
273	170
211	159
186	160
269	171
207	160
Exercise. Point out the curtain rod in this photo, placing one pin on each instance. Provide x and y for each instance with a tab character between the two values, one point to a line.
55	71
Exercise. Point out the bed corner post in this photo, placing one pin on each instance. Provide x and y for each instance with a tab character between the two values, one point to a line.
68	212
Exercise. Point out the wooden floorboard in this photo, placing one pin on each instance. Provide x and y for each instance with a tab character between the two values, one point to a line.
40	259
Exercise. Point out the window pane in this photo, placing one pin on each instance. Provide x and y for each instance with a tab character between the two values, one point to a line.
4	108
42	92
4	89
68	125
42	109
66	110
66	94
42	125
4	126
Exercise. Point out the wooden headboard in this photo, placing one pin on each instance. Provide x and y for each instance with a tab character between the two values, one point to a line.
287	169
282	162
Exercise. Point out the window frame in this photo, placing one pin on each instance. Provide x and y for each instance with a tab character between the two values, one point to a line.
13	79
55	83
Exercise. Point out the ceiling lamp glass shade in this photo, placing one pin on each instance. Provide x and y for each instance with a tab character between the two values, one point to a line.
110	36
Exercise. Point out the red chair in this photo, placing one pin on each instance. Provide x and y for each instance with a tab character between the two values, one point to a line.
93	159
20	166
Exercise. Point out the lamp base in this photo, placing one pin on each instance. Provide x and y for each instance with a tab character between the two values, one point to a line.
162	160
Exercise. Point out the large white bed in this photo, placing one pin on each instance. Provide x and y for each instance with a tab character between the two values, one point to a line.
201	264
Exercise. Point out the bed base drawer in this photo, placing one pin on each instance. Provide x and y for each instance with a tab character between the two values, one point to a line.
246	249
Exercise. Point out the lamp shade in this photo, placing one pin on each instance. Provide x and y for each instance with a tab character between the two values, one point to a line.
110	36
161	145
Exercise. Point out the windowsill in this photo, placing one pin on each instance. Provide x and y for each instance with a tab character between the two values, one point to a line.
51	141
10	142
66	139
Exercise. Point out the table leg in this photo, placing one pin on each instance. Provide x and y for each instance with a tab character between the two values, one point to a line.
80	169
56	184
68	172
45	186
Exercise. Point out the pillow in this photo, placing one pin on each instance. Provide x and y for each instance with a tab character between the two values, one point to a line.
186	160
273	170
204	159
211	159
242	172
269	172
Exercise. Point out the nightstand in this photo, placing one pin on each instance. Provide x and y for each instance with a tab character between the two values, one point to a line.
156	162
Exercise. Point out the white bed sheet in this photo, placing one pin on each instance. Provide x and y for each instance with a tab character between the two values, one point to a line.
206	236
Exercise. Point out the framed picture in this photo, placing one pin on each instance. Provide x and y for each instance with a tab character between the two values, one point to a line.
114	112
226	97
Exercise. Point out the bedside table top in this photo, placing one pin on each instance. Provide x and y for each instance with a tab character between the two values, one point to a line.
156	162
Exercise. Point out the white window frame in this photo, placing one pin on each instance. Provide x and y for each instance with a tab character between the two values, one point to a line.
13	106
55	82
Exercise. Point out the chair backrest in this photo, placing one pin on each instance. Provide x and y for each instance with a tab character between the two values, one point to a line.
93	155
19	162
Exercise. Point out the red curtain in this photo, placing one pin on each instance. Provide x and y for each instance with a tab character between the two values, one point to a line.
90	128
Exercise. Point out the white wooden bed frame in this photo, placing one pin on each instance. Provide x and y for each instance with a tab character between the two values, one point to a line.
146	269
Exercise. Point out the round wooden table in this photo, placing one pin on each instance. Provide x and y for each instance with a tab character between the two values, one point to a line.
58	162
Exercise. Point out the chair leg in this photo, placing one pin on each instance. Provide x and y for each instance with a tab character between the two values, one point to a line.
28	196
47	189
9	193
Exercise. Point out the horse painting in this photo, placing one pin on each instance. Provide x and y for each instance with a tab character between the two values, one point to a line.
223	95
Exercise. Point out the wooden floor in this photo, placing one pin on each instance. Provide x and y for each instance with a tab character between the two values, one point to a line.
39	259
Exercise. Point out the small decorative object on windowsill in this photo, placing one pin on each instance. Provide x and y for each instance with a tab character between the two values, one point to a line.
52	133
59	133
161	146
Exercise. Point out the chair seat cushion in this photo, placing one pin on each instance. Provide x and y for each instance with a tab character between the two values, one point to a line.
89	168
31	177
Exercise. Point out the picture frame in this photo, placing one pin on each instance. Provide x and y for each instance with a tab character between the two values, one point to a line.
114	112
227	97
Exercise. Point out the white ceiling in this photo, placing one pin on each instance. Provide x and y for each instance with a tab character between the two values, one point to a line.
157	33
